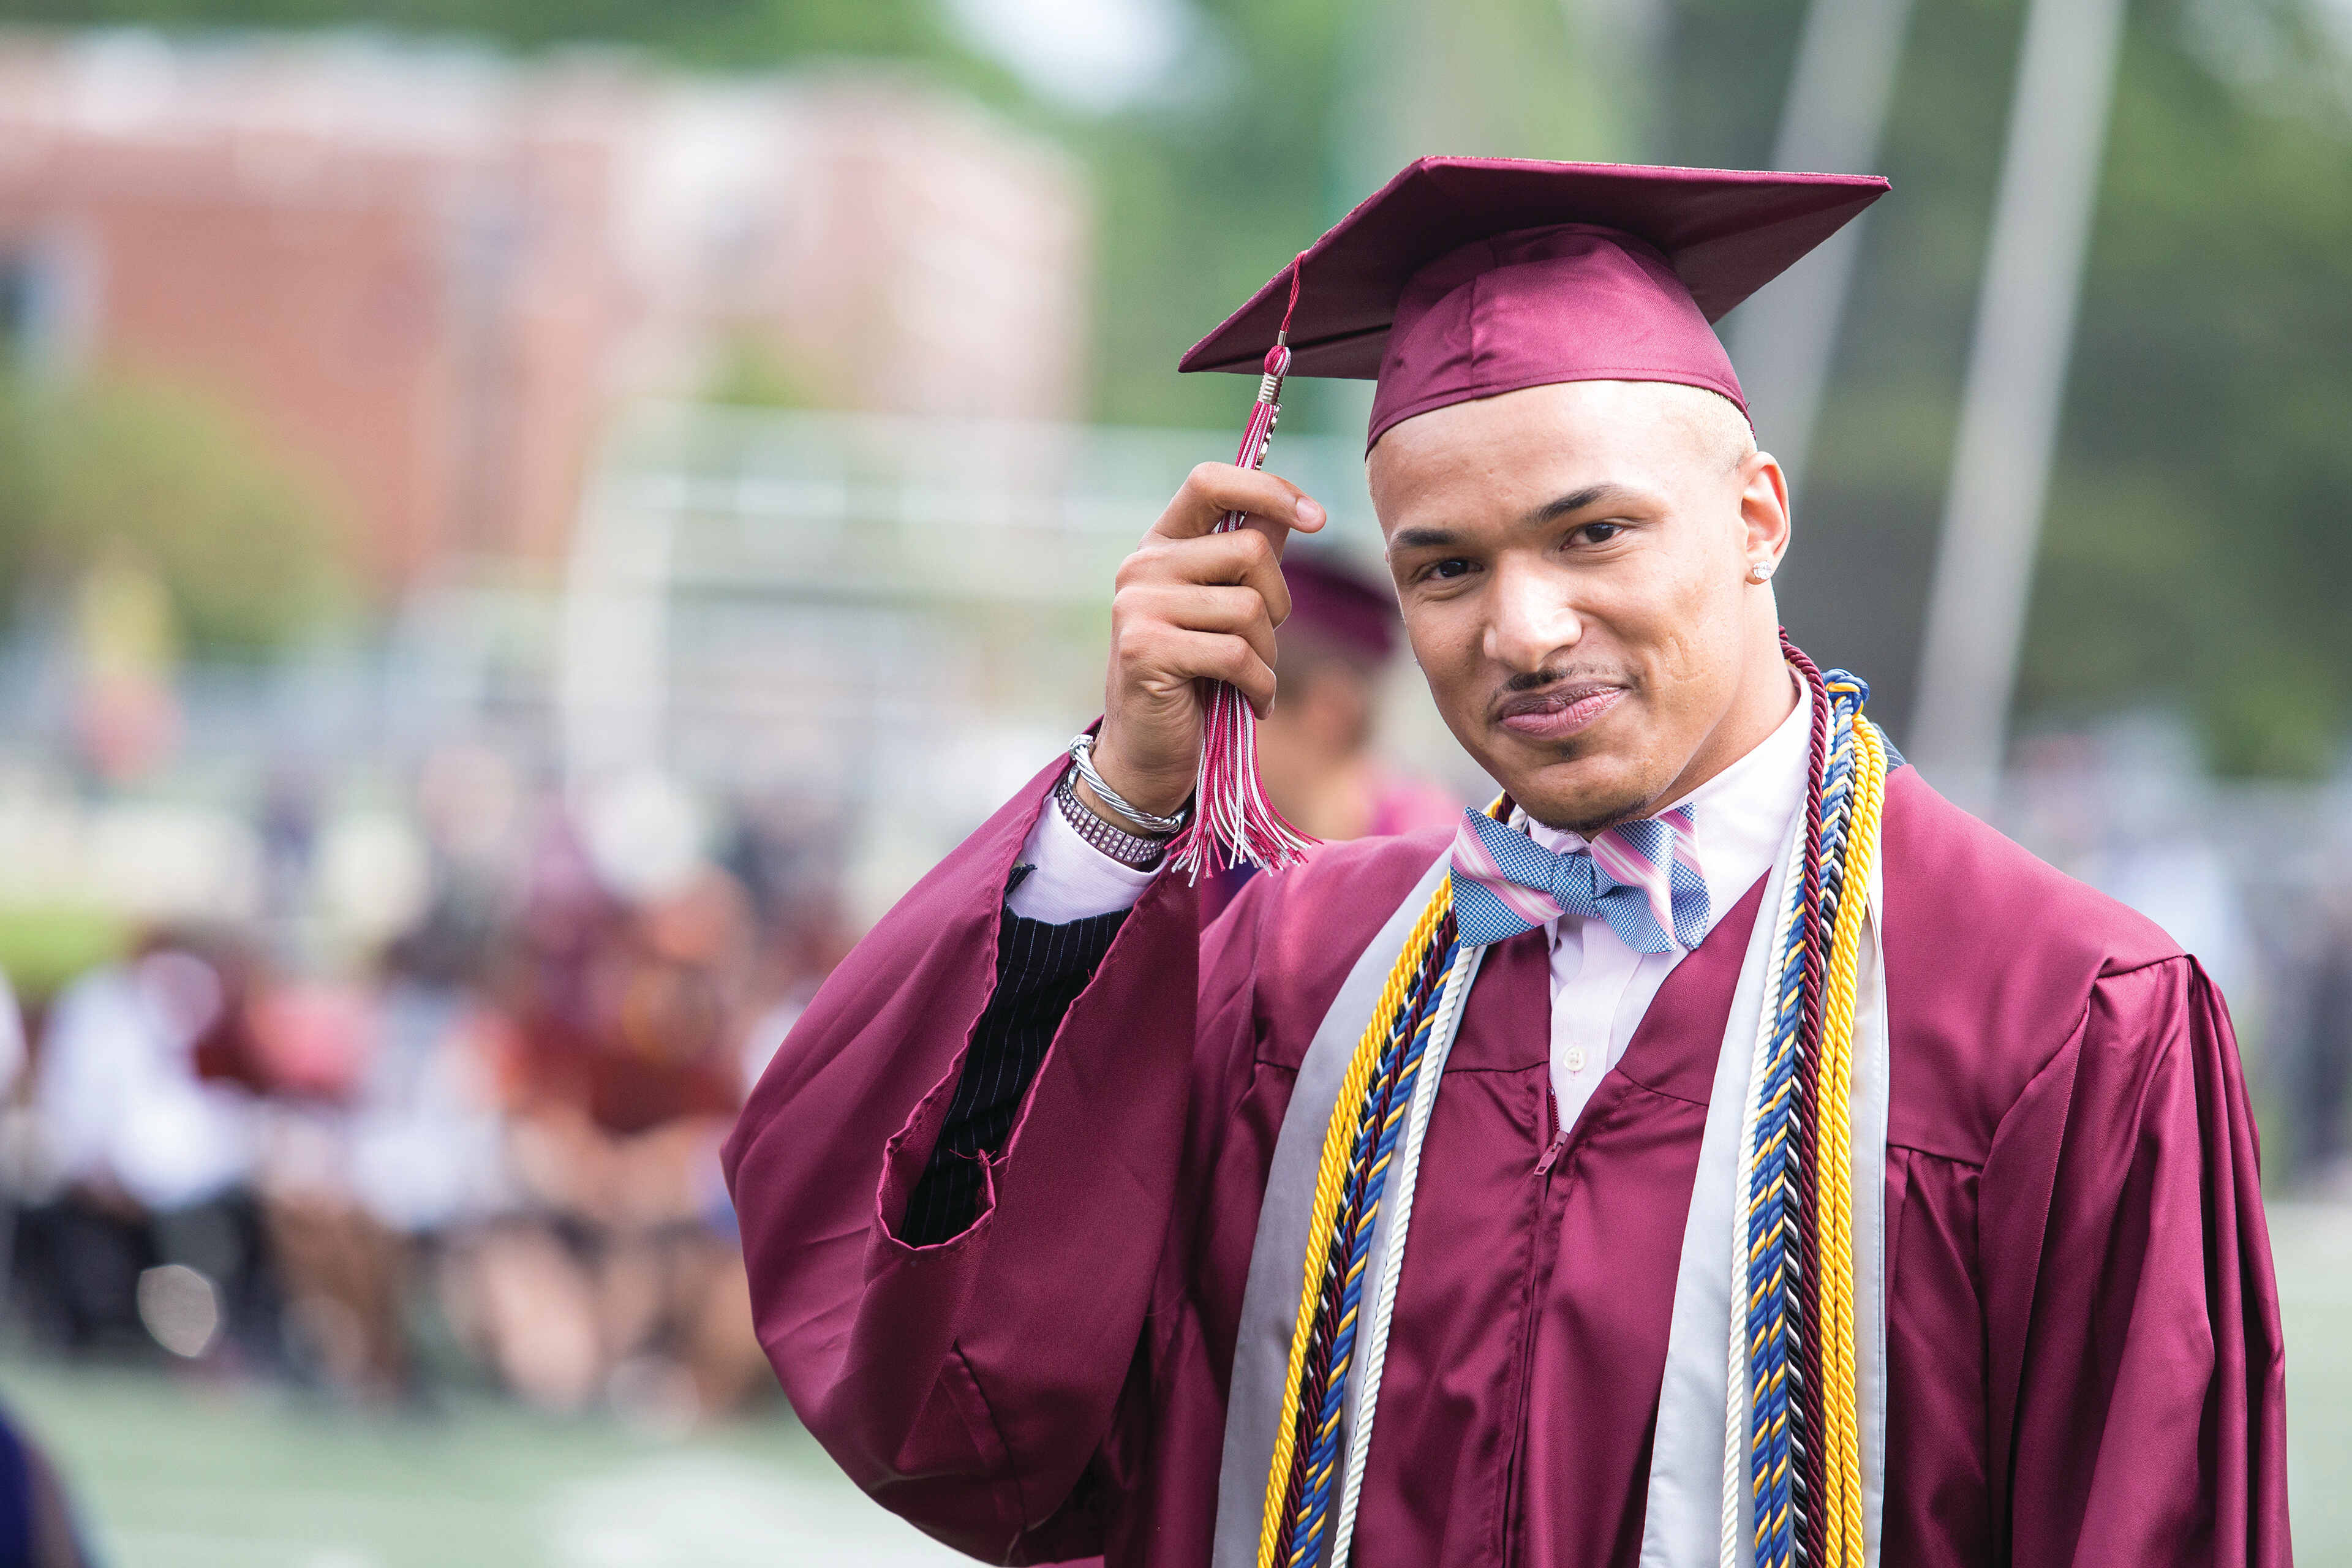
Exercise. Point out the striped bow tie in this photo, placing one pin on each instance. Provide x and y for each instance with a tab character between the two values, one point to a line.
1642	878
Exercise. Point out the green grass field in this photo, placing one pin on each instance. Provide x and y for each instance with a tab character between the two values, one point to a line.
178	1475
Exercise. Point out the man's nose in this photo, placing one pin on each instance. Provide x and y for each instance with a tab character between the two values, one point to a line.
1532	618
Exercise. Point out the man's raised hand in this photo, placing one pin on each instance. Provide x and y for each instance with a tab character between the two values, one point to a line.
1192	604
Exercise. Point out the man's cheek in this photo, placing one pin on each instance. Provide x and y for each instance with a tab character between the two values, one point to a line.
1447	653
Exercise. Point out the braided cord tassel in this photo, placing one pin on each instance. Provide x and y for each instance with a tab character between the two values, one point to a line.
1333	1339
1842	1505
1734	1548
1339	1142
1380	1309
1770	1263
1776	1287
1792	1369
1795	1276
1826	1401
1806	1481
1320	1471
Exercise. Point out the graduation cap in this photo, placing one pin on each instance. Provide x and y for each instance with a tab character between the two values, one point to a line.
1465	277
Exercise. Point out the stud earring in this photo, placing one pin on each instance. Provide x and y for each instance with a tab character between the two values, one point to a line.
1760	571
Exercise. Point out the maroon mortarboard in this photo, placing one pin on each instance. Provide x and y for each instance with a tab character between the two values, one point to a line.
1463	278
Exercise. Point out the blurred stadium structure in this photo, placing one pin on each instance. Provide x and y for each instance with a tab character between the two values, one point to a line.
857	607
432	276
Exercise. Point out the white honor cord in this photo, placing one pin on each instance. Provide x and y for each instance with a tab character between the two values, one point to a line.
1374	1351
1734	1552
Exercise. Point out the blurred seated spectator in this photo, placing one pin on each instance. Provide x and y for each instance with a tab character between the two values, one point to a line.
2320	1061
799	942
619	1275
145	1114
360	1162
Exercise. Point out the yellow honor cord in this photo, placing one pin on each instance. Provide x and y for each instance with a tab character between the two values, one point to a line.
1339	1145
1834	1179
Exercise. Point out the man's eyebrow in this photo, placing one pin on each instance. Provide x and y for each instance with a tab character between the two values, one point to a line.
1424	539
1578	500
1429	538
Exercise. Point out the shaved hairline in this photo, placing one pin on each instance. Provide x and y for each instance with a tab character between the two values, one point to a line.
1716	428
1711	419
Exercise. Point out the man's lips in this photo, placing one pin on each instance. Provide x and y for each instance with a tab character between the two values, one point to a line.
1562	711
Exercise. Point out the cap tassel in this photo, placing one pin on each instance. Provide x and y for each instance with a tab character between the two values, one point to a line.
1233	822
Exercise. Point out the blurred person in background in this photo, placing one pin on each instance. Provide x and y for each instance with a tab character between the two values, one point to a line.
37	1525
146	1105
2319	1088
1072	1226
617	1273
1315	750
786	853
383	1140
340	1270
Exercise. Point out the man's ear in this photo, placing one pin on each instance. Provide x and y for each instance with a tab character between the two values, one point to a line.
1764	507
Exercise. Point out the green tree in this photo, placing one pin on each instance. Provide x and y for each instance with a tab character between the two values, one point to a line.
108	468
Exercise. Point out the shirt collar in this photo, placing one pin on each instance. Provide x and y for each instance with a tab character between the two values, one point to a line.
1739	817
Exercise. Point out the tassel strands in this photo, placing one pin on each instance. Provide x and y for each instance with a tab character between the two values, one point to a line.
1233	822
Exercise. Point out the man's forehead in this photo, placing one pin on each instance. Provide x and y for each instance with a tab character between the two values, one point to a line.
1552	440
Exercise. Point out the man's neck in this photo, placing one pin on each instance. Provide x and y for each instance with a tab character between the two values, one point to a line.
1753	716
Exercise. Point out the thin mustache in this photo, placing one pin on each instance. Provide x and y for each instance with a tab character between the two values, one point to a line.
1545	679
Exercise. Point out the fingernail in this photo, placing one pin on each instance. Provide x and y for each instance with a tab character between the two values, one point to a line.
1309	514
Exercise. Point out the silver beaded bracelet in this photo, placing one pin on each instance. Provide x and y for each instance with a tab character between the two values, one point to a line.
1150	823
1129	849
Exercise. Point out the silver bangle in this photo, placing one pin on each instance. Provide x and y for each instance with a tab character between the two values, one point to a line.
1148	822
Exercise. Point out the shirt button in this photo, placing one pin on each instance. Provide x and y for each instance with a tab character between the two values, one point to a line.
1575	1059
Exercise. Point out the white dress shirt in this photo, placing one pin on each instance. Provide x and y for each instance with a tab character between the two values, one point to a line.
1600	987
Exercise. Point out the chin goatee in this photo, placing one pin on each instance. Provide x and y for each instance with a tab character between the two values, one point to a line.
1587	828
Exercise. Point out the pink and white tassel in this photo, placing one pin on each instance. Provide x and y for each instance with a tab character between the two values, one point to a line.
1233	822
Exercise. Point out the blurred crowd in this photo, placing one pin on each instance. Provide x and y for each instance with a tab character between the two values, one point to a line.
486	1148
481	1145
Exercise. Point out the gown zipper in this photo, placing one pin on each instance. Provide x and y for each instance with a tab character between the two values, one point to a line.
1557	1144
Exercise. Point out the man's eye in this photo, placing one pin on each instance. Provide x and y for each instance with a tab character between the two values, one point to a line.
1453	566
1599	532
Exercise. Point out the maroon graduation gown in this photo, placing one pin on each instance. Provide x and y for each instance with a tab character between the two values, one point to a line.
2083	1328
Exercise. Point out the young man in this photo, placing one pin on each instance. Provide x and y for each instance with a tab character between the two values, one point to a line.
1074	1228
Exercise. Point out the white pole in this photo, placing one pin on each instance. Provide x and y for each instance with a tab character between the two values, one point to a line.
1833	121
2015	393
612	676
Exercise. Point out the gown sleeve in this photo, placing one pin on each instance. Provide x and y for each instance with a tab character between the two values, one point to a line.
2138	1385
1040	969
972	1384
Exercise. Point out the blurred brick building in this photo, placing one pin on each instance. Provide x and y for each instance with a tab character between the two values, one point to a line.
430	277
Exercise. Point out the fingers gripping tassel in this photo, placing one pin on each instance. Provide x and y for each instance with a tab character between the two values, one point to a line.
1233	822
